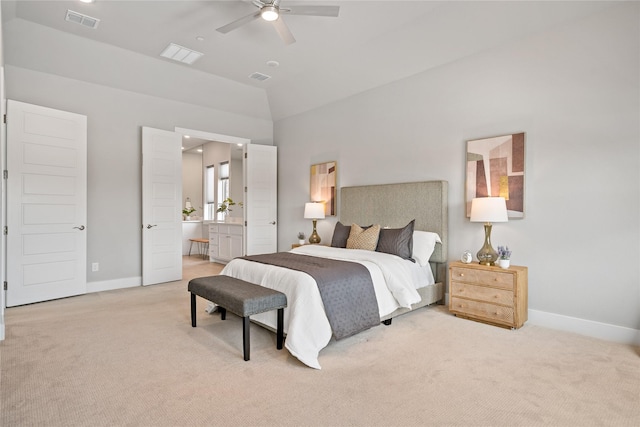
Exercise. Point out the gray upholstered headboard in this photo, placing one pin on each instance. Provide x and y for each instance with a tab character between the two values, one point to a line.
394	205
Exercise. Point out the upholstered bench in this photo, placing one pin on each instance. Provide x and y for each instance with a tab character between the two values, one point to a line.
241	298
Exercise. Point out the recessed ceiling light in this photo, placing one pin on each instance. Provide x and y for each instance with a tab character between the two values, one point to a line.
187	136
273	63
200	38
87	1
199	150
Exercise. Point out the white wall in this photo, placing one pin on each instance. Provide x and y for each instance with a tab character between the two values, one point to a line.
192	179
575	91
115	118
41	48
236	186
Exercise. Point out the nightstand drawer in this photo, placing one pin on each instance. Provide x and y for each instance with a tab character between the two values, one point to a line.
494	278
482	293
486	311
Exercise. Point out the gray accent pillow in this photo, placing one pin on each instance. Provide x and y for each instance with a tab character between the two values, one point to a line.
340	235
397	241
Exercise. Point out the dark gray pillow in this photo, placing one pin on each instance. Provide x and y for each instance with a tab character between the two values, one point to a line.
397	241
340	235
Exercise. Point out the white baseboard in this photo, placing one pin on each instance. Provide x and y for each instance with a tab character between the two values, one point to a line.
590	328
109	285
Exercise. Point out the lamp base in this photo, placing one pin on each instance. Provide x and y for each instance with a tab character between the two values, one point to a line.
487	255
315	237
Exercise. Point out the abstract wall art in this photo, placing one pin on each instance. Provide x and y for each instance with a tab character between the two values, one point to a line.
495	168
323	186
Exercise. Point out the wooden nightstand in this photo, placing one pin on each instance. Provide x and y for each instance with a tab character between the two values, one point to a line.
489	294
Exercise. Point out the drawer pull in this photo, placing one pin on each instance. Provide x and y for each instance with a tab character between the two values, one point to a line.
461	274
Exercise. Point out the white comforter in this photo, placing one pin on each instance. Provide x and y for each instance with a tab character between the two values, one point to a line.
308	331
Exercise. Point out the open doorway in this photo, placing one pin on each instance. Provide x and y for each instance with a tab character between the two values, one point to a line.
212	172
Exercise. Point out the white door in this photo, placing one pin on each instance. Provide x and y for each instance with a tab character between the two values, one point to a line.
161	206
261	181
46	203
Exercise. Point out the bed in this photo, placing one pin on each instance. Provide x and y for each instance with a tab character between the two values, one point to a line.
400	285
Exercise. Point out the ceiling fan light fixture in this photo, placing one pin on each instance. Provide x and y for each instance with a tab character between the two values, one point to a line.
269	13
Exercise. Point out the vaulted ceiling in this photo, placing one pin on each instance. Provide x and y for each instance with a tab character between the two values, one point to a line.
370	43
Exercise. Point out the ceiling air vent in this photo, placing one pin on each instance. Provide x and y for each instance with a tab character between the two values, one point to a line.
259	76
81	19
180	54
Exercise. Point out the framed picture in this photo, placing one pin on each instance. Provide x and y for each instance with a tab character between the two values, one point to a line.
495	168
323	186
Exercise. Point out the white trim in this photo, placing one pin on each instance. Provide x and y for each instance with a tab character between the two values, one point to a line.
605	331
212	136
110	285
589	328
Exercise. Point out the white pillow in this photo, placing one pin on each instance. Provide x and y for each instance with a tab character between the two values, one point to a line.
424	242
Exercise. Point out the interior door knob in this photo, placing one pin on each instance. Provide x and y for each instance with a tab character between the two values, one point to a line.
272	223
80	228
150	226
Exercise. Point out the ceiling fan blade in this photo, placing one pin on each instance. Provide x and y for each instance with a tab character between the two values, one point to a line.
238	23
312	10
283	31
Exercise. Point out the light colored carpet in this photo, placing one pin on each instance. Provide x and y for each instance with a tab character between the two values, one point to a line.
131	358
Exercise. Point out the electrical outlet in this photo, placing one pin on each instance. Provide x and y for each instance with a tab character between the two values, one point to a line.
95	266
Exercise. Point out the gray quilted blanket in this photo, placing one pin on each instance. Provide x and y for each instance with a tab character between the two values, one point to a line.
346	289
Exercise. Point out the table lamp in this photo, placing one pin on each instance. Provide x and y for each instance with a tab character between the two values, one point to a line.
314	211
488	210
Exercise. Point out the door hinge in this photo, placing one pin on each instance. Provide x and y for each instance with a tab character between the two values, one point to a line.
4	118
5	174
6	285
5	230
245	189
245	155
245	223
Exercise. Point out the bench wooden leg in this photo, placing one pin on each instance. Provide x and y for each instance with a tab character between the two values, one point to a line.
193	310
223	312
245	336
280	329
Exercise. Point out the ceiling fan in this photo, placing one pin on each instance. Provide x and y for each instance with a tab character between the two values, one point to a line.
271	11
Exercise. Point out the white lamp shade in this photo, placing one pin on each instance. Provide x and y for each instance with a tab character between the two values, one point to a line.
314	210
489	209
